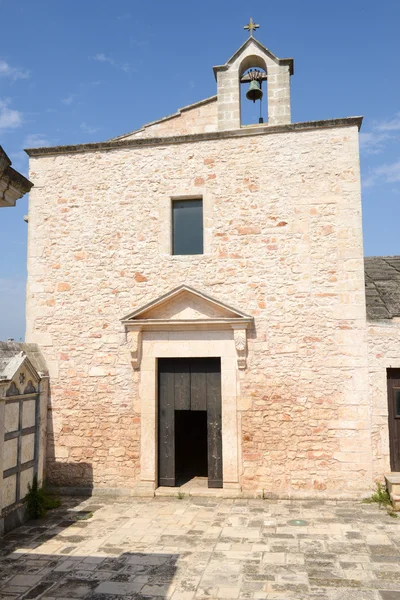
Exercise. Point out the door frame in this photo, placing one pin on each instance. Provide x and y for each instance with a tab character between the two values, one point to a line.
392	376
188	344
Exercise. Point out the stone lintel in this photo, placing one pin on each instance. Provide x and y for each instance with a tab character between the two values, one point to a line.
134	331
245	131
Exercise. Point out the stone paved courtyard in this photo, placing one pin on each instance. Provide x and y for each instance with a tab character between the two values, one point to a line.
204	548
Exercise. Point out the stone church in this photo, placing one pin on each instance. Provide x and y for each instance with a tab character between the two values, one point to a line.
197	289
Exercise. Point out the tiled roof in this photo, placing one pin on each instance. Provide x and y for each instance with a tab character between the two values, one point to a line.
382	287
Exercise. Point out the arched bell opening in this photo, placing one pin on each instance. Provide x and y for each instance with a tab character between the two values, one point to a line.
253	81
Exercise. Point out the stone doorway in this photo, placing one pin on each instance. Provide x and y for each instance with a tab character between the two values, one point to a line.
189	424
189	324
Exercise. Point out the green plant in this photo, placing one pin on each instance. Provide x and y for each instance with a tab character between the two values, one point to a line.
380	496
39	500
181	495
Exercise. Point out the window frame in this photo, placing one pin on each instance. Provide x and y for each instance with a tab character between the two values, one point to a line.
172	224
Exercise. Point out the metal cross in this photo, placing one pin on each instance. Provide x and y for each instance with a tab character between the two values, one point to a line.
251	27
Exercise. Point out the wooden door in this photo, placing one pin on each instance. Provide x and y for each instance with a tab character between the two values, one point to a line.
214	434
189	384
394	417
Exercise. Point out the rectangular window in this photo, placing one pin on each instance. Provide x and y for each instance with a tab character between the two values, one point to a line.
187	226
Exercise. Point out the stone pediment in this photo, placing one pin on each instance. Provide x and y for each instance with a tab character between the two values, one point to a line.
186	308
185	305
18	376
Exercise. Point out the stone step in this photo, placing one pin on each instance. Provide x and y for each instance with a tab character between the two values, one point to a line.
395	498
393	487
197	491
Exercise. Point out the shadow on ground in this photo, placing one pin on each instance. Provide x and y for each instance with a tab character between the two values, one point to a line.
30	575
134	576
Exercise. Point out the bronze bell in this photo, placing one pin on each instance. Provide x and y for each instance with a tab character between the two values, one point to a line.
254	92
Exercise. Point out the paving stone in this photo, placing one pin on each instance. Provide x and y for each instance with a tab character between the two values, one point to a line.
166	548
388	595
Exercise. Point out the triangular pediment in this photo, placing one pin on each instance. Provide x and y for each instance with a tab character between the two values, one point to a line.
22	375
185	305
259	49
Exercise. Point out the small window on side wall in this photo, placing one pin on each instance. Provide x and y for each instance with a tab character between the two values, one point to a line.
187	226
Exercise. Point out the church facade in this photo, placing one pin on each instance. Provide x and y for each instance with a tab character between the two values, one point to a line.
197	289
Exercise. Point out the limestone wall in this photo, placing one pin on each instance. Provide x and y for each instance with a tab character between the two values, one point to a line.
384	353
197	118
284	245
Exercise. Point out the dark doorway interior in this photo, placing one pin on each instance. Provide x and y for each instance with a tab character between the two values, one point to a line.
189	420
190	445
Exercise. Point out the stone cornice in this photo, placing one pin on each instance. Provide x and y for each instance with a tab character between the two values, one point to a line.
251	130
13	185
187	325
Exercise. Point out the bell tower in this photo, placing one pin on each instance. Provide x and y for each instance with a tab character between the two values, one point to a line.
276	73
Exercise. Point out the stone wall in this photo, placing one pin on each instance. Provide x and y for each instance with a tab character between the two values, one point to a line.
384	353
196	118
285	246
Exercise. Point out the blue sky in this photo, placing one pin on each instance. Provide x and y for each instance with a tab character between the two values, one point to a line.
83	71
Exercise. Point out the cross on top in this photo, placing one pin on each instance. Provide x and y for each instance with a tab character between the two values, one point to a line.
251	27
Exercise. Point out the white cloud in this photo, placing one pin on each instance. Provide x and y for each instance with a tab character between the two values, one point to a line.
373	142
103	58
87	129
123	66
69	99
36	140
381	134
391	125
389	172
386	173
9	118
12	73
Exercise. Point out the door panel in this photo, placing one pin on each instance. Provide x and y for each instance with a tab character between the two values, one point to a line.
182	384
166	430
198	384
214	434
189	384
394	417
